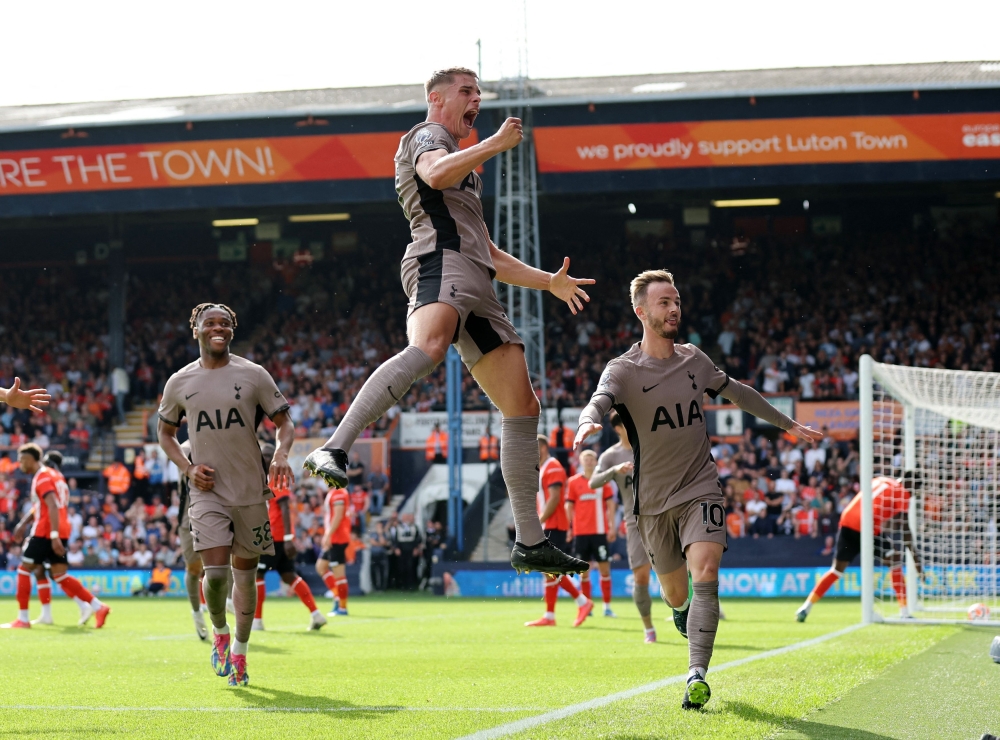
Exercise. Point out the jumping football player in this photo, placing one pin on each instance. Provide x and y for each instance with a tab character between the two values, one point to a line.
447	274
283	560
890	504
50	530
225	398
552	515
615	464
332	563
657	388
590	513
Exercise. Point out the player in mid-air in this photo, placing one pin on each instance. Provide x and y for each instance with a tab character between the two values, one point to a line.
283	560
224	398
890	509
552	514
615	464
657	388
447	274
332	563
590	513
50	531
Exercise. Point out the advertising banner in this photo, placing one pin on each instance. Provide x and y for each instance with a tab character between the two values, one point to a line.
733	583
281	159
842	417
751	143
415	427
115	582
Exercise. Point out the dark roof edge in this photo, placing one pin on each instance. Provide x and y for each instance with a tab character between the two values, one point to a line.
539	101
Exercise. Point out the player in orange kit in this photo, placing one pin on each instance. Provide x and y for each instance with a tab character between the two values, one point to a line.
552	514
50	530
591	517
890	504
283	560
332	564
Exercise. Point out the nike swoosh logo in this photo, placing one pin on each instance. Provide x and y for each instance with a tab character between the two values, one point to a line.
701	630
647	390
192	395
392	394
713	531
247	614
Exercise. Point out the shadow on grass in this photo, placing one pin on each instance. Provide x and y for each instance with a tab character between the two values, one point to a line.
811	730
280	700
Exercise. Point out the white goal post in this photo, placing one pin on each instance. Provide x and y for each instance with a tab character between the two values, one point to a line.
941	430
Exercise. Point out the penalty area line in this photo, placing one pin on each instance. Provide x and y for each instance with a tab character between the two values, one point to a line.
528	722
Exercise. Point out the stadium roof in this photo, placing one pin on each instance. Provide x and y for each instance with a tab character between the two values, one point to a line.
398	98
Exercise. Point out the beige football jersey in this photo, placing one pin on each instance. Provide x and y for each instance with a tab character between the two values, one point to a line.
224	407
617	454
659	402
440	219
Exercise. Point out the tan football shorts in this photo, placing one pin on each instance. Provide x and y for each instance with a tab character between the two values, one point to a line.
247	529
447	276
667	535
637	557
187	542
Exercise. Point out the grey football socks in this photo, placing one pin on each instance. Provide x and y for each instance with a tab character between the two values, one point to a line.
193	583
703	622
519	465
216	591
385	387
244	601
640	595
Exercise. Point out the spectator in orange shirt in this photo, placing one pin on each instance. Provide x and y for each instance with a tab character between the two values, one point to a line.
119	480
735	521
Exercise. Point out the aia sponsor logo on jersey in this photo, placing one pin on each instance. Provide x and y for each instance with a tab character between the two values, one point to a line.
663	417
205	420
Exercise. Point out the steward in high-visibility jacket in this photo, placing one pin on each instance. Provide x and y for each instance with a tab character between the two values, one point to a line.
436	449
489	448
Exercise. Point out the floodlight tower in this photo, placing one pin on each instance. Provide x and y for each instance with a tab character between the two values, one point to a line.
515	224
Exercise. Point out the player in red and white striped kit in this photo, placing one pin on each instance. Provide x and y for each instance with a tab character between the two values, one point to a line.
46	543
890	505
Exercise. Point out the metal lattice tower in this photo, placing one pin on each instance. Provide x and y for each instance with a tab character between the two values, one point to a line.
515	226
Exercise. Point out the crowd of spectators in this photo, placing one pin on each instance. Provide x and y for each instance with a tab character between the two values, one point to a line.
787	318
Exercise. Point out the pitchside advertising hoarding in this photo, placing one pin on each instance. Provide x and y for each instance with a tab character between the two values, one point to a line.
560	149
125	582
741	582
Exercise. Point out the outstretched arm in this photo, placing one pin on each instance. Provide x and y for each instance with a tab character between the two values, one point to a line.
752	402
32	399
512	271
603	477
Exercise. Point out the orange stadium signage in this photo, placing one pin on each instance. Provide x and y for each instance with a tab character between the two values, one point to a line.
199	163
777	141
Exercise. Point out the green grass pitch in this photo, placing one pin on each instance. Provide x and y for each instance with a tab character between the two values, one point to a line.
424	667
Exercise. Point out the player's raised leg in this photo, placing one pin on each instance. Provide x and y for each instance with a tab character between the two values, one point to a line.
503	375
822	586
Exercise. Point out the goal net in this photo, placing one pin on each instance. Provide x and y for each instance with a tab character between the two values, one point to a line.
938	431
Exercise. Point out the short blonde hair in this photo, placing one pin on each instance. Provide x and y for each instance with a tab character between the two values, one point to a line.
589	453
642	281
448	76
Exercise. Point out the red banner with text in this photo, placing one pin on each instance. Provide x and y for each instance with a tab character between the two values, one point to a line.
849	140
199	163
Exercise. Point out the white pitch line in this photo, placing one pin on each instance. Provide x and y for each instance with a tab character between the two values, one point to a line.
556	714
387	708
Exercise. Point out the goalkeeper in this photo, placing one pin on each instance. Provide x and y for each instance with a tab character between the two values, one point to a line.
890	504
